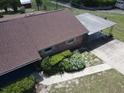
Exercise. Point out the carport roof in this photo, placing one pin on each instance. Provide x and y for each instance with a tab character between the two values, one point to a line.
94	23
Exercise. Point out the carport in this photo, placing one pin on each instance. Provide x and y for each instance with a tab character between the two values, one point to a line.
95	24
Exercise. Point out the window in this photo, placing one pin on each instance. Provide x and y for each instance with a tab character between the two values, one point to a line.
47	50
71	41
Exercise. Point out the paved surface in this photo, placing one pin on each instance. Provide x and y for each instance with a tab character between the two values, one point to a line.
68	76
112	53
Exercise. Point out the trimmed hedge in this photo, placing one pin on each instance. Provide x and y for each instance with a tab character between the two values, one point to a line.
59	57
50	65
25	85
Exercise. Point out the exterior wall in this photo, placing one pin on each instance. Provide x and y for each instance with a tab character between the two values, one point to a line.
77	43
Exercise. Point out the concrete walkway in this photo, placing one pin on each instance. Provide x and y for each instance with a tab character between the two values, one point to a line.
68	76
112	53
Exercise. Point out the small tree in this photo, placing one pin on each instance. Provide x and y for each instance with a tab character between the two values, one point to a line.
4	5
14	4
39	4
45	4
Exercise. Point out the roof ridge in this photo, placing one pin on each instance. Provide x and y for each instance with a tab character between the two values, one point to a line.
29	15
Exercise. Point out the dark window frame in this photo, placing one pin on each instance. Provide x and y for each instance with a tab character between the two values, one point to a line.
48	50
71	41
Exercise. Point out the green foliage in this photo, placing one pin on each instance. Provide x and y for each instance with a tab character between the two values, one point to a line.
59	57
65	61
74	63
4	4
1	16
22	10
25	85
39	4
48	68
45	64
45	4
14	4
92	3
50	65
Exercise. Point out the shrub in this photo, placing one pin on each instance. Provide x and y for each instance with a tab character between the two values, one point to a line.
59	57
45	64
74	63
50	65
22	10
25	85
1	16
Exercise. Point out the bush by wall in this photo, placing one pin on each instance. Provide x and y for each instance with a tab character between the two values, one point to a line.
25	85
59	57
50	65
22	10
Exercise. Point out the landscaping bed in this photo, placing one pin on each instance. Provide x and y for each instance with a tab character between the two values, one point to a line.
91	59
68	61
109	81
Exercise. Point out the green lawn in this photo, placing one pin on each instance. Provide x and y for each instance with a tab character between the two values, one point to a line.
109	81
118	30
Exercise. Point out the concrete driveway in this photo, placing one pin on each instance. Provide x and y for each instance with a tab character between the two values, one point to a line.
112	53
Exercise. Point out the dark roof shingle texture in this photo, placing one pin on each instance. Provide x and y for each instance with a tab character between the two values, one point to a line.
22	38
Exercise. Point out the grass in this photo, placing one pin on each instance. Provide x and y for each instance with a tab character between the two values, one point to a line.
109	81
91	59
118	31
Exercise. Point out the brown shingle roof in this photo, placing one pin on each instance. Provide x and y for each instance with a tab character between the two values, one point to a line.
22	38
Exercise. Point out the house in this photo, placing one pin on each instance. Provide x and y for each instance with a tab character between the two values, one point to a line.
26	3
27	39
120	4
